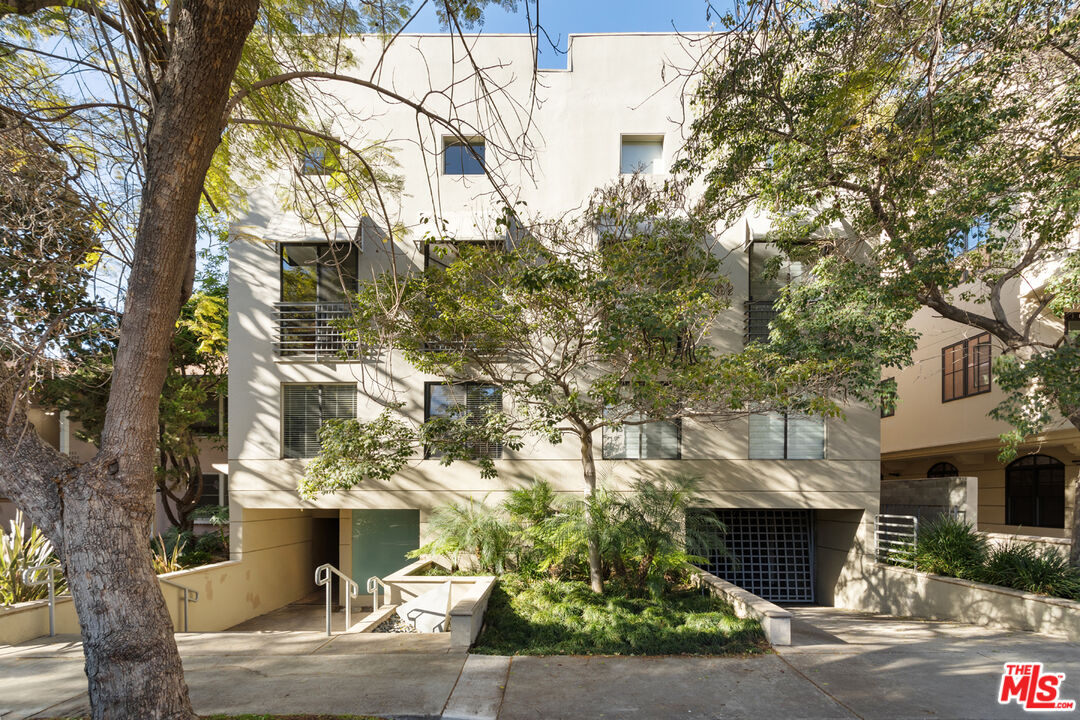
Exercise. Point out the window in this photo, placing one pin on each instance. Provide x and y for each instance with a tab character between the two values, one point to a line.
318	272
782	436
973	237
216	409
1072	324
215	490
965	368
769	272
641	154
316	160
942	470
443	254
1035	492
648	441
460	158
470	400
306	408
887	397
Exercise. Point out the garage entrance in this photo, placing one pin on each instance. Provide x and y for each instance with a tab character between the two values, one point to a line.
769	552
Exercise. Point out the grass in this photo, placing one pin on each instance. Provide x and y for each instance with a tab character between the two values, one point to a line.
548	617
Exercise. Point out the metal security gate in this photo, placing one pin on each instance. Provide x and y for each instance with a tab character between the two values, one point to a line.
769	552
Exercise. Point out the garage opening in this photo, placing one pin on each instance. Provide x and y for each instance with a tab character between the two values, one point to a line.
769	552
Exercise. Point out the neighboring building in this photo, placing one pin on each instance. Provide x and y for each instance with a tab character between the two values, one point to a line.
798	494
941	428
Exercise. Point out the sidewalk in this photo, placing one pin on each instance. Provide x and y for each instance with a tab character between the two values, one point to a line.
841	665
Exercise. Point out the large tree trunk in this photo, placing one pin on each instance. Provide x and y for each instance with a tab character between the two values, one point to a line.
588	467
99	514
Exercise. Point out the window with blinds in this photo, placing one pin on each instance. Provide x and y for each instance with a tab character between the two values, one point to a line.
966	368
647	441
780	436
473	401
306	408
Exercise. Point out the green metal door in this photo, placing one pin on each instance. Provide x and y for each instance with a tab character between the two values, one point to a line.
380	539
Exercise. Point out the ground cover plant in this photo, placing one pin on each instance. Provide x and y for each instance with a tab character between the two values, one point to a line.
564	617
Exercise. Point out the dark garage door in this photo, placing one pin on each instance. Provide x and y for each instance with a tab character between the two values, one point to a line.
770	553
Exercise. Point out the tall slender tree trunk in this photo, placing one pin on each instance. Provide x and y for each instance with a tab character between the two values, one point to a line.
588	467
99	514
1073	414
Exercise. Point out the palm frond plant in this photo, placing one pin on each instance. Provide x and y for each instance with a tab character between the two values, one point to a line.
474	530
22	548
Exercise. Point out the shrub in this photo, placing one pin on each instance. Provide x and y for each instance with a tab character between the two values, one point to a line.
1023	566
475	530
166	558
952	547
21	549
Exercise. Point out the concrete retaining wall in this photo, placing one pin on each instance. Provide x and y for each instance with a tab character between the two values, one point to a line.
928	497
775	621
901	591
467	615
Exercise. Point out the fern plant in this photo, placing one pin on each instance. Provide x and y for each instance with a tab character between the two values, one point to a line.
20	549
474	530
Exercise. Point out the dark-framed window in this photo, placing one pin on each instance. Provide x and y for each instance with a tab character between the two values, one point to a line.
786	436
634	440
1035	492
443	253
318	272
304	409
887	397
215	490
942	470
216	408
1072	324
473	400
461	158
966	368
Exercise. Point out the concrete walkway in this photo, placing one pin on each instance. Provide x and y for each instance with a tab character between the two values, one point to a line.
841	665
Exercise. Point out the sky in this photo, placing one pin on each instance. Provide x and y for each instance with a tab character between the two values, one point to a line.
563	17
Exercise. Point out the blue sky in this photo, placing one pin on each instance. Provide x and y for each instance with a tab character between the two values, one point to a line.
563	17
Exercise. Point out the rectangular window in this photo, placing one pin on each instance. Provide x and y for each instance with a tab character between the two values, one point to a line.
781	436
647	441
470	400
319	272
965	368
214	421
1072	324
443	254
317	160
460	158
305	408
211	491
641	154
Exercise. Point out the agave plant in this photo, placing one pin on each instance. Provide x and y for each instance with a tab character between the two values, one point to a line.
20	549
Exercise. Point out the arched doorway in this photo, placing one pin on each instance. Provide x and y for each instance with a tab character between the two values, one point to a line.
1035	492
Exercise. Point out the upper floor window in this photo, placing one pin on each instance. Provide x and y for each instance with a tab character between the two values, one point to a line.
215	490
636	440
318	272
216	414
965	368
444	252
304	410
1035	492
473	401
942	470
641	154
769	271
318	160
1072	324
786	436
463	158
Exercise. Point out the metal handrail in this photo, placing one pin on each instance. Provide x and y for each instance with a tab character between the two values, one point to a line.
373	585
189	596
324	575
28	578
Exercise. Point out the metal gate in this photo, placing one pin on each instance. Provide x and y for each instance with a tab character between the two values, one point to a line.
769	552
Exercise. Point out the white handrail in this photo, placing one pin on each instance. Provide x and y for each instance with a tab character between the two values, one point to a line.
373	585
28	578
324	575
189	595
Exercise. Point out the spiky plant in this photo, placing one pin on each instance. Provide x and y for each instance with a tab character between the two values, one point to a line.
20	549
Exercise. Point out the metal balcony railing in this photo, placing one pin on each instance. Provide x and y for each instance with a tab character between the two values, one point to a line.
759	313
312	331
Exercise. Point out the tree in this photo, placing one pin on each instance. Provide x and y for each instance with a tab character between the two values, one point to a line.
156	113
591	322
925	155
195	381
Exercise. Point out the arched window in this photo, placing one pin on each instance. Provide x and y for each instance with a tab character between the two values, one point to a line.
1035	492
943	469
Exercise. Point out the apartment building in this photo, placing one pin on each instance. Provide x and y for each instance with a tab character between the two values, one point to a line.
941	426
798	494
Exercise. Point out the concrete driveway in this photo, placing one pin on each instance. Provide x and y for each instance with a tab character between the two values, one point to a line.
841	665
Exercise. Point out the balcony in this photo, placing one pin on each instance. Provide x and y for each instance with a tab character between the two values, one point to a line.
312	331
759	313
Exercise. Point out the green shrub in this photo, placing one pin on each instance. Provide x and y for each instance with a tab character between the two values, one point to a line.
212	544
20	549
1023	566
475	530
949	546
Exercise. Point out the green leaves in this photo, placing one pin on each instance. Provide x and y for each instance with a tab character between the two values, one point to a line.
354	451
